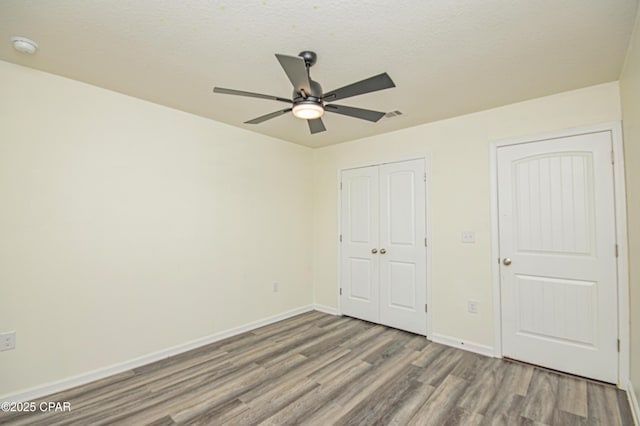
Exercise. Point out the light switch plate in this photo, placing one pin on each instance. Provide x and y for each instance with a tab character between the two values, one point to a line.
7	341
468	237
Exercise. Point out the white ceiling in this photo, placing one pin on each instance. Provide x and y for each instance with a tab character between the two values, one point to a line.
447	57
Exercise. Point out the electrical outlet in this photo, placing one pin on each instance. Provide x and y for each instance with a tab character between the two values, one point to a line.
472	306
275	287
7	341
468	237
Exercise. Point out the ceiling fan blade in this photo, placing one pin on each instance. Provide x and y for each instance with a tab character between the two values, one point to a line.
268	116
364	114
372	84
296	70
249	94
316	126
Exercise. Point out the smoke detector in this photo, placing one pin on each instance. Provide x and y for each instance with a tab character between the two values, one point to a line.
24	45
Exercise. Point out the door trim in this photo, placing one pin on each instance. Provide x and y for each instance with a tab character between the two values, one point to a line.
427	167
615	128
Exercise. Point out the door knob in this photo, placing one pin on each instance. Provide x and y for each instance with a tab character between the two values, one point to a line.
382	251
506	261
374	251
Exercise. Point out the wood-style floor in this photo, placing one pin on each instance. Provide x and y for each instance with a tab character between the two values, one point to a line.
318	369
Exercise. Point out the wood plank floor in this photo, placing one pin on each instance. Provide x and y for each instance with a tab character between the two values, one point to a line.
319	369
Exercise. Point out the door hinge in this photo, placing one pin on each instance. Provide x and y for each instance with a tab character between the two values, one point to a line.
425	176
425	241
617	253
613	161
340	237
618	345
426	308
340	291
340	186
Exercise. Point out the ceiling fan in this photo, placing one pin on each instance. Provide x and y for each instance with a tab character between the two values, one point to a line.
308	101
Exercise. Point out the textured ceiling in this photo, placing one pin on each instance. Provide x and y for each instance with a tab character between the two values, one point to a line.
447	57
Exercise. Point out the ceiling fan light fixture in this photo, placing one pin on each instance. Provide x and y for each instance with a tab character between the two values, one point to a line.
308	110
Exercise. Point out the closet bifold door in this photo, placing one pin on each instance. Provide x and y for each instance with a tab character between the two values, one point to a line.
359	247
402	258
383	252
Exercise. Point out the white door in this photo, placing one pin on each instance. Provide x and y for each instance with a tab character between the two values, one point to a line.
557	254
383	255
359	269
402	252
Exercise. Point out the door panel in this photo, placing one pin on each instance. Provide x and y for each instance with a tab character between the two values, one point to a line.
361	279
554	205
402	231
557	225
400	205
359	200
360	208
403	276
569	308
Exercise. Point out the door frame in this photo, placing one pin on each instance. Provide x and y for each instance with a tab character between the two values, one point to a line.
620	206
427	168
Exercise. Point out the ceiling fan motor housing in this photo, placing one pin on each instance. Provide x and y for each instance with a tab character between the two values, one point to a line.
315	95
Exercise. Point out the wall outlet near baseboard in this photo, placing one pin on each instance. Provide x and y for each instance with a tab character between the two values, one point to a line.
472	306
7	341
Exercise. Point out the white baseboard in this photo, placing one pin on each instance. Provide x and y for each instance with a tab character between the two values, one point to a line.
326	309
633	403
81	379
460	344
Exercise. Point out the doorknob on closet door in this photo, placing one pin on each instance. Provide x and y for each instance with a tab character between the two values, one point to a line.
382	251
506	261
374	251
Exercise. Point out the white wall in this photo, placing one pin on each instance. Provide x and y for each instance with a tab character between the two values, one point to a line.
630	96
127	227
459	152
